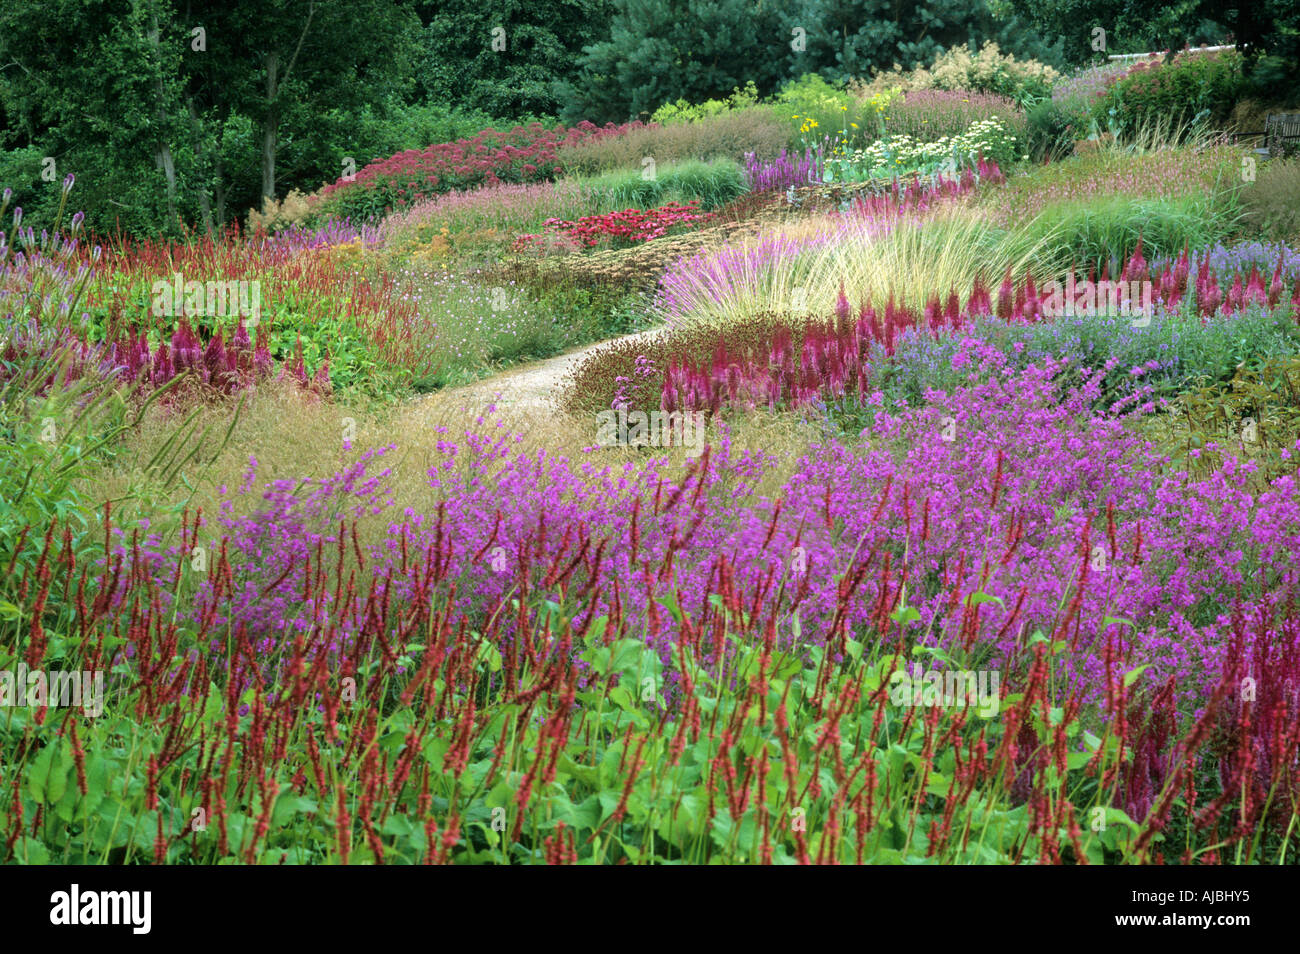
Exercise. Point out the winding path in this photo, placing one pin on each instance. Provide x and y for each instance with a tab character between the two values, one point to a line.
528	389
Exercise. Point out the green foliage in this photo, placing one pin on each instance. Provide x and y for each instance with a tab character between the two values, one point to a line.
662	52
683	112
1132	26
1052	130
850	40
21	170
1187	88
1254	413
714	184
1024	82
1106	230
822	113
168	129
539	45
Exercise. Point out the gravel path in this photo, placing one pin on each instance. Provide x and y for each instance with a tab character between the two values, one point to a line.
532	388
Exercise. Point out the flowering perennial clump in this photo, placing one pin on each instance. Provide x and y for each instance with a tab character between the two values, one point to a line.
627	226
518	155
892	155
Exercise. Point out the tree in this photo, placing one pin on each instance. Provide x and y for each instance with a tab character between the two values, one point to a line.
853	38
95	89
306	59
659	51
505	58
1267	32
175	111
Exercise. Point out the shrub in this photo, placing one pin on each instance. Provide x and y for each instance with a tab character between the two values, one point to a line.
683	112
825	114
713	184
987	71
293	211
1051	131
1188	86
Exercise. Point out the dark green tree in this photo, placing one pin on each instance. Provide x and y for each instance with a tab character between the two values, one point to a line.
660	51
96	89
287	63
176	112
504	58
853	38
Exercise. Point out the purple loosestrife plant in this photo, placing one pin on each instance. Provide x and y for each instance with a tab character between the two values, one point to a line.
785	171
1011	499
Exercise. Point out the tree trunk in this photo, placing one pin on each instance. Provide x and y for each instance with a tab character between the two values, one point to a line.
270	131
205	198
269	136
164	154
219	171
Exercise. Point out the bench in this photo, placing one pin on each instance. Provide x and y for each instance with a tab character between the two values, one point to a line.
1281	134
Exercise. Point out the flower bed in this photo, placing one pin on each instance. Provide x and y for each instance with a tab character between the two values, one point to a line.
519	155
627	227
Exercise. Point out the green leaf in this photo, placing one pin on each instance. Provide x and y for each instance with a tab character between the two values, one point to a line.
975	599
288	805
905	614
1131	676
669	603
39	775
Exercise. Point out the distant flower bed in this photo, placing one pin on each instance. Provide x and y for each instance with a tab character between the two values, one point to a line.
901	155
522	154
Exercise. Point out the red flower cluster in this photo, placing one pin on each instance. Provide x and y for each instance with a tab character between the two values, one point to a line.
630	225
521	154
